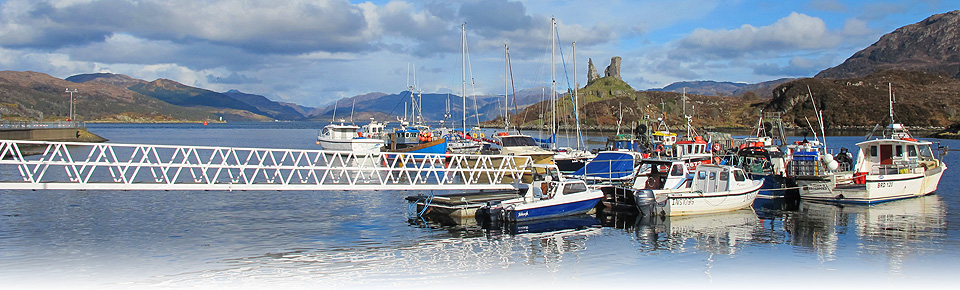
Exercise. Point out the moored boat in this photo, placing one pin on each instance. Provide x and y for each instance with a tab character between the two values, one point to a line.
341	137
549	195
889	167
711	189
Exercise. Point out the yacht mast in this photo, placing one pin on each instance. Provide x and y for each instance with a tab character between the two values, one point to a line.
506	87
463	73
553	79
576	98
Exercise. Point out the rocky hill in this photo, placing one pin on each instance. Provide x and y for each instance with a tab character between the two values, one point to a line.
607	100
931	45
922	99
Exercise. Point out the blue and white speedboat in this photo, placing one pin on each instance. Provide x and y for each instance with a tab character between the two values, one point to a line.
550	195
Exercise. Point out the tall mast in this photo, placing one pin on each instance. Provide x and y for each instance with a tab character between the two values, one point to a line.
892	100
463	72
576	98
553	78
506	87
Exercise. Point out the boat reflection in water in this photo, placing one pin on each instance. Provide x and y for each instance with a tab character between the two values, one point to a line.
544	241
718	233
894	229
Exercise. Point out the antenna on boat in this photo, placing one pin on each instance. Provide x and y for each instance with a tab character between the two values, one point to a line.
352	108
819	119
334	118
893	99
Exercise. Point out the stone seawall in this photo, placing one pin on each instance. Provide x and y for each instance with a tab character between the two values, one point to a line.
51	134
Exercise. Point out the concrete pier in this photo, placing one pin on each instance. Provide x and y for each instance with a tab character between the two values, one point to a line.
47	131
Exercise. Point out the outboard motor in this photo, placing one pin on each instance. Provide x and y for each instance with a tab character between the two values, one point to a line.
646	201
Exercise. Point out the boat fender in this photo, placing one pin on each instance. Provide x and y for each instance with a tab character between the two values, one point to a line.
717	160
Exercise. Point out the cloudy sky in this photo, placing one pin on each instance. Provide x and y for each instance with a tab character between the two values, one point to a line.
312	52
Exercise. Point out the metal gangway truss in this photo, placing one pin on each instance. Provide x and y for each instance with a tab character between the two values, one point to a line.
107	166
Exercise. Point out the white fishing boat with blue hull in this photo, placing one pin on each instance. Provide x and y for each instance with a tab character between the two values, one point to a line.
550	195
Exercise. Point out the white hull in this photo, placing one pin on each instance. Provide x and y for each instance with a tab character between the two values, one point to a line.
686	202
354	145
878	188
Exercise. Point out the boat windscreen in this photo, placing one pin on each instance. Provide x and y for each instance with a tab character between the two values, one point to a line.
518	141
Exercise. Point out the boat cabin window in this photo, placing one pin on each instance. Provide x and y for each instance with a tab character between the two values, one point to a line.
873	151
519	141
702	175
713	175
677	170
926	152
738	175
725	175
912	151
899	150
574	187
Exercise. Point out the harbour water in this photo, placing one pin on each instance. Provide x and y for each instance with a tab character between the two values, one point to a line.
366	239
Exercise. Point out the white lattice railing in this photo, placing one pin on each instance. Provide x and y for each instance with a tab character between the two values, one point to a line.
88	166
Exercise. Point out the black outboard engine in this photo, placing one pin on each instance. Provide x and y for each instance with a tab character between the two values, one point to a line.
646	201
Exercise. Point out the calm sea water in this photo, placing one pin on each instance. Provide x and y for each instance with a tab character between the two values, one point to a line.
364	239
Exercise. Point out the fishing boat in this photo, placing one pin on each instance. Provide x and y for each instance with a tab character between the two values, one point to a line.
342	137
549	195
416	139
711	189
889	167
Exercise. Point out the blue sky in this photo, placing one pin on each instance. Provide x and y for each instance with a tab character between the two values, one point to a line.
312	52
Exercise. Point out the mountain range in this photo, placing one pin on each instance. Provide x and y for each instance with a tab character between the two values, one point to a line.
921	62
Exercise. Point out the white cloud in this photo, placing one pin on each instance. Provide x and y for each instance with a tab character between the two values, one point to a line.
796	31
796	67
856	27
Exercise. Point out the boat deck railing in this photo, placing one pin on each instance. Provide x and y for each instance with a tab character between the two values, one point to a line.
107	166
897	167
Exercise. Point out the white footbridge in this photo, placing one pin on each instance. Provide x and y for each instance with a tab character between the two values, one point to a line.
107	166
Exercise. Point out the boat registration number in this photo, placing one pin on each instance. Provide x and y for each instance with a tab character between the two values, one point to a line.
681	201
884	184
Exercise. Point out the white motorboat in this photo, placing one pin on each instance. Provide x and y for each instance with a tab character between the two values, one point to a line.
550	195
710	189
341	137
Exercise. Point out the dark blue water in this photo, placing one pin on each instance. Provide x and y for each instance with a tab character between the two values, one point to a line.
363	240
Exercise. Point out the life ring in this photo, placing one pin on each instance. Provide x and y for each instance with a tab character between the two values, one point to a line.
660	148
716	147
653	182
